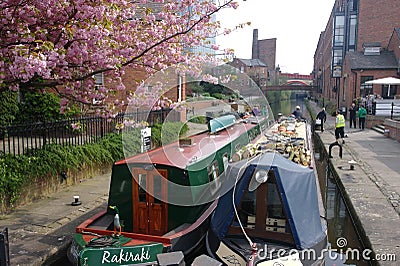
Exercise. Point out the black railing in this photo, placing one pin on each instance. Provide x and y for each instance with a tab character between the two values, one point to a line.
18	139
4	248
387	109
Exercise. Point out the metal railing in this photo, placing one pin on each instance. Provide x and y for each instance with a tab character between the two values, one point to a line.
4	248
18	139
387	109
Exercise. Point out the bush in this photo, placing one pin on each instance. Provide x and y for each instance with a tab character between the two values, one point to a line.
218	96
162	134
8	107
201	119
43	107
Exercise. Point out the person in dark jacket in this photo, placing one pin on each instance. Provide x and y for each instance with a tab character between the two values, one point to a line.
321	116
297	114
353	115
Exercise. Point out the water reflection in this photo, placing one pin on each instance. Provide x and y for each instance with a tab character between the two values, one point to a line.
286	107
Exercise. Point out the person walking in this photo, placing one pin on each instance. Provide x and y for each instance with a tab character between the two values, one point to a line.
353	115
362	114
321	119
339	126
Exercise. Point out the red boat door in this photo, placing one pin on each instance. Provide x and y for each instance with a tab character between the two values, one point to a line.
149	191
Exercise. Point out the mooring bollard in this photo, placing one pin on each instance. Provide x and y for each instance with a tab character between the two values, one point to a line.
333	145
76	201
352	163
4	248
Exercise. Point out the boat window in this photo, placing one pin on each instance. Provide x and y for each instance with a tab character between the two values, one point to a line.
274	204
225	161
142	187
261	211
247	211
238	146
213	173
157	189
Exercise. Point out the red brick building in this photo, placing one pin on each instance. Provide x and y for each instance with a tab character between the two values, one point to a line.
360	43
175	86
265	50
254	68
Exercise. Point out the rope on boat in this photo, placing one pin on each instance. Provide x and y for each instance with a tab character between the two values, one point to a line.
103	241
233	201
90	233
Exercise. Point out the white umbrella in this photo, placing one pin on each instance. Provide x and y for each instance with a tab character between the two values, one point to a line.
385	81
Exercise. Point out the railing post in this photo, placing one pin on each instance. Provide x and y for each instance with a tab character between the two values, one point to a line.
373	107
391	112
4	248
102	126
44	132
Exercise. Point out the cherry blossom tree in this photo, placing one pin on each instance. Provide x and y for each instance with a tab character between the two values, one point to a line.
61	44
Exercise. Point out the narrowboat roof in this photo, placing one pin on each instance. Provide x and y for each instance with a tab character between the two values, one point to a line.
203	145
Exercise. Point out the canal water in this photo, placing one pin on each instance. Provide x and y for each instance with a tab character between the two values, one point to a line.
342	234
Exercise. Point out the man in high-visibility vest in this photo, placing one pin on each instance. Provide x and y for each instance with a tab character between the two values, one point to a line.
339	126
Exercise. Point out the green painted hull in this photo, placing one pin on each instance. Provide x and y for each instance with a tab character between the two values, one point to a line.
113	255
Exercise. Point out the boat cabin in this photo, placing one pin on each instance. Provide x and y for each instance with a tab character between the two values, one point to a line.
276	201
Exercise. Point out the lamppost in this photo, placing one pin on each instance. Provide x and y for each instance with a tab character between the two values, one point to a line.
337	74
321	85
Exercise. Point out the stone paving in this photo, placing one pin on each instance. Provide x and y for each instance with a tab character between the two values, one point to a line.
43	228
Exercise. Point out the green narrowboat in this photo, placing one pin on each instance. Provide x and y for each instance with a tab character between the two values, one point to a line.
161	200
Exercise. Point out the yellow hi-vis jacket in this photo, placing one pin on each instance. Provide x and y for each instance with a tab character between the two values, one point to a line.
339	120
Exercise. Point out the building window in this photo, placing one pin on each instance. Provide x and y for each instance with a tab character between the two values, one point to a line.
337	57
353	5
98	83
352	33
98	80
365	89
389	94
339	31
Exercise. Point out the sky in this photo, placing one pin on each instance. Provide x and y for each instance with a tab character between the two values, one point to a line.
296	25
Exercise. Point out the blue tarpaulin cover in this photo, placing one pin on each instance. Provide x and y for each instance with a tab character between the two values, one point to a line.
297	187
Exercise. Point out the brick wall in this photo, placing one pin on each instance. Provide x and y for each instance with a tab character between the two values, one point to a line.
267	52
377	20
392	128
132	76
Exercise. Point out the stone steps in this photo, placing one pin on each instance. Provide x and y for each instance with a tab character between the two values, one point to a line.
379	128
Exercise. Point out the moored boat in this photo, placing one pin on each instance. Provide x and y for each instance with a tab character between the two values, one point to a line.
161	200
271	214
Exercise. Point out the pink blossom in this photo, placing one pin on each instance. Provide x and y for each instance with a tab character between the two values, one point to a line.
49	43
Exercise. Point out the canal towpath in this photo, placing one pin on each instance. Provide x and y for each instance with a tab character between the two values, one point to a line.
372	189
43	230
